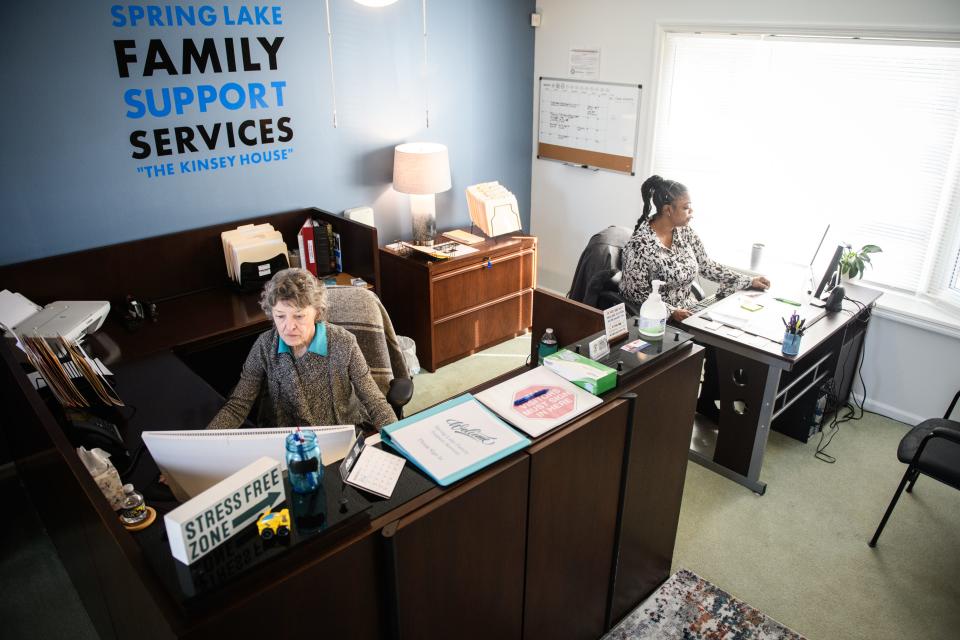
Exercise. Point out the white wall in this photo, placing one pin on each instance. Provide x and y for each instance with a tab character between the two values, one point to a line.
568	204
910	373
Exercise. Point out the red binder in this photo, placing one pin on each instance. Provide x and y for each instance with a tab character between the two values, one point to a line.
307	245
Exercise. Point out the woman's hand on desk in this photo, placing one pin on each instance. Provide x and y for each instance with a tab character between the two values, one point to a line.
680	314
760	283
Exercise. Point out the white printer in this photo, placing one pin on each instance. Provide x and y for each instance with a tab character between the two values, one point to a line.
71	319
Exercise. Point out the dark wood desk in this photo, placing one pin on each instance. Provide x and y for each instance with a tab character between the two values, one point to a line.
759	385
582	523
452	308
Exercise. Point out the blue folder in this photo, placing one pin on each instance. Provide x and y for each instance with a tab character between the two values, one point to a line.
386	436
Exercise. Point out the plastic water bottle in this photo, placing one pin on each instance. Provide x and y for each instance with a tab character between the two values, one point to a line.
548	345
134	510
304	469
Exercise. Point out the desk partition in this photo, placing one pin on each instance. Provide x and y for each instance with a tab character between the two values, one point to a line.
563	538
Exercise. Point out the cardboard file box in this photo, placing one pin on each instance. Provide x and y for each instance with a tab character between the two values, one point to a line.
583	372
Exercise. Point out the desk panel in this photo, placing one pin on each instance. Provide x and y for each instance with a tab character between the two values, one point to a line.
459	562
574	499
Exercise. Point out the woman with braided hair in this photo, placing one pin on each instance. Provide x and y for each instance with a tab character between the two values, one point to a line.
664	247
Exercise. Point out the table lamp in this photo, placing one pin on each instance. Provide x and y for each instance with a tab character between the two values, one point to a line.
422	169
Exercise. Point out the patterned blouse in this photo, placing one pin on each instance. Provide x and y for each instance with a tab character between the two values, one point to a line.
645	259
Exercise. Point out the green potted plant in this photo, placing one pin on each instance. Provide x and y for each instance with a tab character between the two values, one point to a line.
853	263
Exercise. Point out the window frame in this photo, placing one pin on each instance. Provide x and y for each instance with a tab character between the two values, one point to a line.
942	279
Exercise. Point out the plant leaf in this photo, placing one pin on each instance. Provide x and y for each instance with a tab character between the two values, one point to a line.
871	248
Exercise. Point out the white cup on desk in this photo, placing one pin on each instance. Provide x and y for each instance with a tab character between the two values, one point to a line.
756	256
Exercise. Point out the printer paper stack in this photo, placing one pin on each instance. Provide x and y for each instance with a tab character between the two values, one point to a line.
493	208
253	253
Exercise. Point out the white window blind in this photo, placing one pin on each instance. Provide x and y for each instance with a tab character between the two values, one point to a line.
777	136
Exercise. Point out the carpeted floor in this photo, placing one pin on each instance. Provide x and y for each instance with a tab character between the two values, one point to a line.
687	607
799	553
457	377
38	599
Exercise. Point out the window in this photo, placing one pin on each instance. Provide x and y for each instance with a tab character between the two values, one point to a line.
776	136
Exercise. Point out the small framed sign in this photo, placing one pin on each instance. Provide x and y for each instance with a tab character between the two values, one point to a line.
615	322
598	348
200	525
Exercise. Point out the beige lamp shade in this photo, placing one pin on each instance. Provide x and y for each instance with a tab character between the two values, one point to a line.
421	168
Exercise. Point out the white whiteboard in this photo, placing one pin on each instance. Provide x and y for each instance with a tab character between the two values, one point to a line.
589	123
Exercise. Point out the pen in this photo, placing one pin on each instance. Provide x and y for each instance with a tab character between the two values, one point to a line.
785	301
529	397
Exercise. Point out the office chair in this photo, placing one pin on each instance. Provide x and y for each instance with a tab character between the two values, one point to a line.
931	448
596	281
360	312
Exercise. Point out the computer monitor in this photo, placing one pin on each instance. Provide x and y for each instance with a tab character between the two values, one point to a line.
829	273
194	460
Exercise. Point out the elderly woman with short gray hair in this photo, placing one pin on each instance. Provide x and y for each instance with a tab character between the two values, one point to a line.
305	371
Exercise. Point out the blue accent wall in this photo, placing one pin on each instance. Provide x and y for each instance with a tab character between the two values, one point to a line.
68	180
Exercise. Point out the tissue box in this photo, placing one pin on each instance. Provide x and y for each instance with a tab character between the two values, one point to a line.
583	372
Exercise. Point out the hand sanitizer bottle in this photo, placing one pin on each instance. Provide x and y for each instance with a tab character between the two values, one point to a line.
653	314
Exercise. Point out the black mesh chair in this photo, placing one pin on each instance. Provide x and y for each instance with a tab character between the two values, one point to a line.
931	448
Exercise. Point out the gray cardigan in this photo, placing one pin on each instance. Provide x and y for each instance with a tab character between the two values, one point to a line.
312	390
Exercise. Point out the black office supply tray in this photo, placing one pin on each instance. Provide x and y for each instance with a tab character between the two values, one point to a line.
627	364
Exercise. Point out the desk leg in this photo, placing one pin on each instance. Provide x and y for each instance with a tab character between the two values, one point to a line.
747	392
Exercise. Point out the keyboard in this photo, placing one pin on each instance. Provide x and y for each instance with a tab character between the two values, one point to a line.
703	304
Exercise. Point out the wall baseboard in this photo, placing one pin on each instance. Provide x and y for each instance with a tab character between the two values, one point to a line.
873	406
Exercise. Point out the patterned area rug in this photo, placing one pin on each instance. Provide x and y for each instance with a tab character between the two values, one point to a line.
687	607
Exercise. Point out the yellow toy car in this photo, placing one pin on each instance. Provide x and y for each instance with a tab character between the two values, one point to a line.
274	523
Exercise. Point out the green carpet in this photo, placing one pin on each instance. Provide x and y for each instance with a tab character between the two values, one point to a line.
799	553
457	377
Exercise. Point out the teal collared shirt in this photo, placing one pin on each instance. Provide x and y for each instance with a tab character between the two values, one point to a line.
318	345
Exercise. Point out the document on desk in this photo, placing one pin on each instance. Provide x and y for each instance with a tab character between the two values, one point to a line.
537	401
453	439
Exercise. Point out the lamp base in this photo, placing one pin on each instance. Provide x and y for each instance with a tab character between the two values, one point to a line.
423	214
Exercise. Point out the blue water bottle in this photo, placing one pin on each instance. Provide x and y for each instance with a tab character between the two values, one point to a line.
304	468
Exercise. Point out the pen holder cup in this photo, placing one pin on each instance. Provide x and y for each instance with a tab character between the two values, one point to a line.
791	344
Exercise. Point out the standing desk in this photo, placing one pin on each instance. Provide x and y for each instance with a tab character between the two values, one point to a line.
583	522
760	385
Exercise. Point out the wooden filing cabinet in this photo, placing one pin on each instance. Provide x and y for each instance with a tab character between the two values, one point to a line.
452	308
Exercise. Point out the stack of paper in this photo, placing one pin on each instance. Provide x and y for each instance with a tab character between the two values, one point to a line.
458	235
253	253
537	401
453	439
493	208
